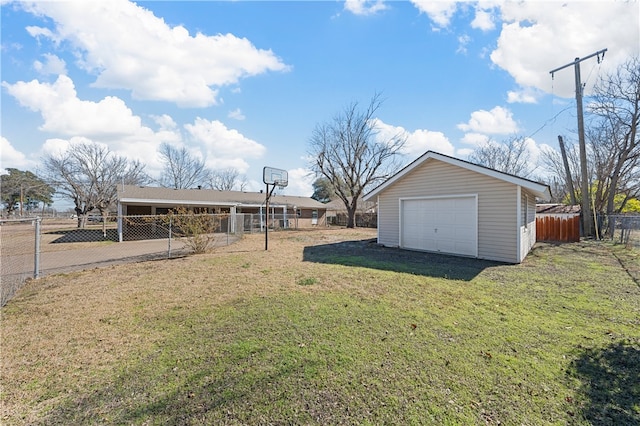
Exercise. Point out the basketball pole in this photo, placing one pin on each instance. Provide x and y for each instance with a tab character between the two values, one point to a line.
273	177
266	220
266	216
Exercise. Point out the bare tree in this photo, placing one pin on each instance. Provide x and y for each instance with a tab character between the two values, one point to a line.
349	153
87	174
614	138
182	170
552	163
227	180
510	156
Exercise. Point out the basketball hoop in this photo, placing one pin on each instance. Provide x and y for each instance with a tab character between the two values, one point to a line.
273	176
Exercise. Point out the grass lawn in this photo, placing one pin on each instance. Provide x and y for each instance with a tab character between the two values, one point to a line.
328	328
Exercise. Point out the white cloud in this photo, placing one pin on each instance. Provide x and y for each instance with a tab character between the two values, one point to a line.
533	149
37	32
475	139
483	20
537	37
65	114
464	152
497	121
440	12
364	7
111	122
236	114
527	95
418	142
300	182
224	147
130	48
51	65
56	146
536	150
12	158
421	140
107	121
463	41
165	122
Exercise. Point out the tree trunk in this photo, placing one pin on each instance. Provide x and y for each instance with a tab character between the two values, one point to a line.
104	224
613	184
79	215
351	217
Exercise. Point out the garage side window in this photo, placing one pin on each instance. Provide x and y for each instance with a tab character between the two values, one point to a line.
526	210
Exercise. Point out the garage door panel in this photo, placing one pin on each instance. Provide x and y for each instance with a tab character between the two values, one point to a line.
447	225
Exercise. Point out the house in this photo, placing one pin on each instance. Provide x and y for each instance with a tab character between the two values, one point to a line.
443	204
303	212
365	213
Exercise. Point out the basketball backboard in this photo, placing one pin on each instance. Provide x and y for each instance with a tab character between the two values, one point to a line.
273	176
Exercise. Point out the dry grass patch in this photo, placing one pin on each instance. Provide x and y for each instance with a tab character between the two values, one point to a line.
327	328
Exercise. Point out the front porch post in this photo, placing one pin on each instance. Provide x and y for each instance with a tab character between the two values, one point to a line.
119	222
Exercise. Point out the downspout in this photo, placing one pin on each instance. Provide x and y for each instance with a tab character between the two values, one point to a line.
378	219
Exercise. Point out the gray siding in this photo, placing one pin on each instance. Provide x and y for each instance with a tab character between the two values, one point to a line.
497	204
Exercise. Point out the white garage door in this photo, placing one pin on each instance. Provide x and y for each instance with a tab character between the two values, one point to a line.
443	224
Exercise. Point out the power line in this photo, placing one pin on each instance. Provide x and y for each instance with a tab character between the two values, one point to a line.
550	120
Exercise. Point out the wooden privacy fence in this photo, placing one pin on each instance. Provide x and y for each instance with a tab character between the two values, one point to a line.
558	227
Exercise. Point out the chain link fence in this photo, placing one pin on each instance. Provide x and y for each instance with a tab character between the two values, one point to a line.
362	220
35	247
625	229
225	226
19	254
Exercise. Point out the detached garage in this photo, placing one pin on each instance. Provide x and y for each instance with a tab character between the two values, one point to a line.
443	204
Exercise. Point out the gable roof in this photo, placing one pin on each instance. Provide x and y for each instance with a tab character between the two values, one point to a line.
540	190
128	194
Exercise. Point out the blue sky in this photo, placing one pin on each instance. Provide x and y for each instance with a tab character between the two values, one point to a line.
242	84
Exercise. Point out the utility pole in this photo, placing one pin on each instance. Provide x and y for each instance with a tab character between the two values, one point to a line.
587	220
567	170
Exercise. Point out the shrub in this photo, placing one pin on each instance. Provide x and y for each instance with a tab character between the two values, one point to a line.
196	229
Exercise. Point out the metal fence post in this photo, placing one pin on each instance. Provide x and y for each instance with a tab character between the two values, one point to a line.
36	256
169	253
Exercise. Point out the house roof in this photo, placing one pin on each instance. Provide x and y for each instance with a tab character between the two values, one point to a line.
338	204
130	194
557	208
539	189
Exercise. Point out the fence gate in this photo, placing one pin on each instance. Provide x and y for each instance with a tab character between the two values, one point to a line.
563	228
